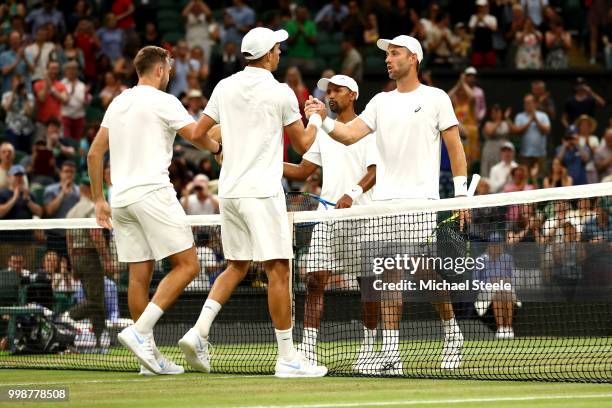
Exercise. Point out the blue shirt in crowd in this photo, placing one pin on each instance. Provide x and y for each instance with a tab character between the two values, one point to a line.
500	268
7	58
533	143
111	301
576	168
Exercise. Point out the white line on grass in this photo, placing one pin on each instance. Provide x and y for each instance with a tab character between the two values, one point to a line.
141	379
429	402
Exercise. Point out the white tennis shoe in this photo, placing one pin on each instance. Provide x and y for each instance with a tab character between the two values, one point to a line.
298	367
451	351
141	346
168	367
195	349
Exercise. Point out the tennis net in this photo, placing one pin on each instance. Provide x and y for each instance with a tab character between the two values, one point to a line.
514	286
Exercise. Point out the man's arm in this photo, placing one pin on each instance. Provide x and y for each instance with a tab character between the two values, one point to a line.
452	140
215	203
62	95
366	183
95	165
8	68
602	162
345	133
565	120
299	172
519	129
52	206
9	204
601	102
585	153
41	94
301	139
561	150
198	134
543	127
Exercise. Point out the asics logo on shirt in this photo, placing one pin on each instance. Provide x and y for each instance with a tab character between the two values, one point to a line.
417	109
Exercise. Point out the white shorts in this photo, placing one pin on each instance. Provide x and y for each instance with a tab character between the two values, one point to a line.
255	229
152	228
413	227
411	233
335	246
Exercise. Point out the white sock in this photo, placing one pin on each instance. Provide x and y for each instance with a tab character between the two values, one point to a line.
309	338
148	318
451	328
390	341
369	338
285	343
207	315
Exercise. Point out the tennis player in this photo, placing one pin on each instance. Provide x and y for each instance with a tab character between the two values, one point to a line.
253	109
149	223
409	123
349	172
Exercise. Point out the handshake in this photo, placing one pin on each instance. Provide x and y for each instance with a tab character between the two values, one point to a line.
312	106
316	113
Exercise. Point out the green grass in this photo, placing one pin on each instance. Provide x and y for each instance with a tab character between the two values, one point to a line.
582	359
113	389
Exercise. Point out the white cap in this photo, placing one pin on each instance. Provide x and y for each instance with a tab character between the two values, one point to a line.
403	41
340	80
482	2
257	42
507	145
194	93
470	71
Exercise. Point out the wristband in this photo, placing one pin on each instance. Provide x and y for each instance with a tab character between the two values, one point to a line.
315	119
460	186
328	125
220	149
355	192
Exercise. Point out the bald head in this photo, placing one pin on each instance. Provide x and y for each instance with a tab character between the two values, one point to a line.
7	155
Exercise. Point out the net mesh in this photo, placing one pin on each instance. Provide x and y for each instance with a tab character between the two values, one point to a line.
546	313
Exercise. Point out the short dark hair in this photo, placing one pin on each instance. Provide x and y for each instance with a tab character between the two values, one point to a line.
54	121
69	163
148	57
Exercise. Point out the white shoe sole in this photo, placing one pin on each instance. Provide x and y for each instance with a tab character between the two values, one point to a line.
192	357
128	342
147	373
321	373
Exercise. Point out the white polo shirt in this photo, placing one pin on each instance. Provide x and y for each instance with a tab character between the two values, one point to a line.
343	166
252	108
408	126
142	123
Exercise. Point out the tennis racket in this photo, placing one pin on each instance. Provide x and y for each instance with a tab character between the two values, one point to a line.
450	240
445	226
300	201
